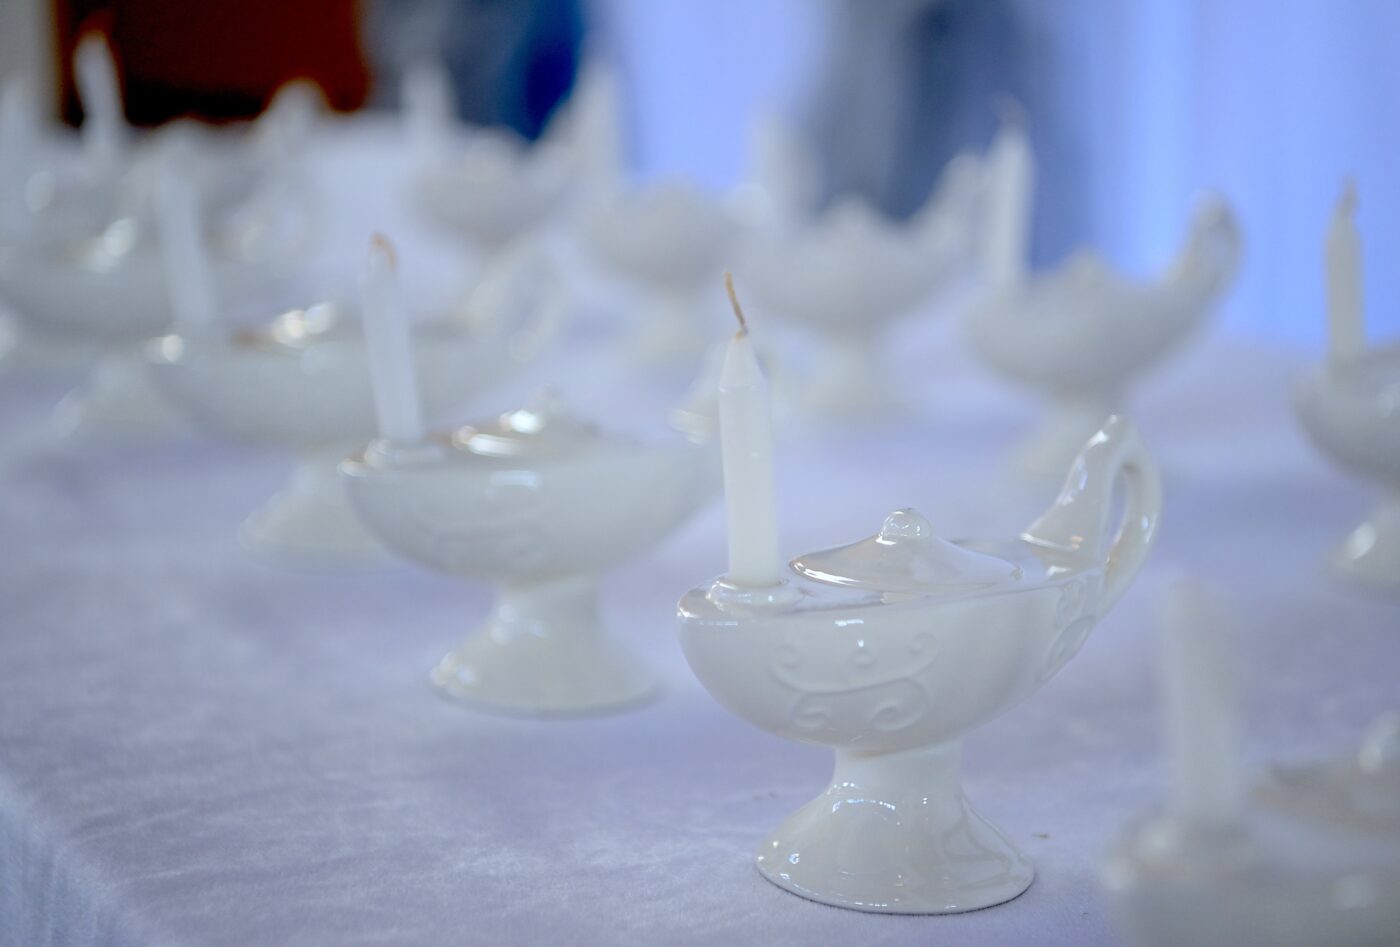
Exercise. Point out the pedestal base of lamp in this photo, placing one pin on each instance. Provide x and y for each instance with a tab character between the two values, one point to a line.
1051	451
119	399
310	522
543	652
1371	554
894	834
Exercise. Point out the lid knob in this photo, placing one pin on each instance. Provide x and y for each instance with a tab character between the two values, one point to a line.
903	525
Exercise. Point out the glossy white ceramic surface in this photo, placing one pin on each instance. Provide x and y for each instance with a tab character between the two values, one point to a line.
302	383
670	239
1351	409
541	504
1081	333
1314	859
891	651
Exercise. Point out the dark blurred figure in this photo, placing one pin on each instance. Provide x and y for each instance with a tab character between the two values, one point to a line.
216	59
511	61
911	83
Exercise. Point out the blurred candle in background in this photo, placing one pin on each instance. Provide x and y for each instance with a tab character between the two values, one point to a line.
429	112
1346	315
1012	174
182	250
104	128
1202	716
390	346
746	441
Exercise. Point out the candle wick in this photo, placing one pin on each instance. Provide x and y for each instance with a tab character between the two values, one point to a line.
734	301
382	244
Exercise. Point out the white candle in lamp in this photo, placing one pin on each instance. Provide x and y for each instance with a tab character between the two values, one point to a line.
746	441
390	346
104	123
1012	171
1346	314
1202	718
183	253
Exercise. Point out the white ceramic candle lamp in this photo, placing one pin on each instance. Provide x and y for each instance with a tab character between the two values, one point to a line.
847	276
107	282
1308	855
540	503
1080	334
1348	407
669	238
303	383
117	290
890	650
495	188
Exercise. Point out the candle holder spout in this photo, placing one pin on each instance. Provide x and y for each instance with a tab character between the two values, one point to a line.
543	650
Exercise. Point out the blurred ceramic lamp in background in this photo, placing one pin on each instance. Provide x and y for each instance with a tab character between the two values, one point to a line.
1348	405
1080	334
1309	854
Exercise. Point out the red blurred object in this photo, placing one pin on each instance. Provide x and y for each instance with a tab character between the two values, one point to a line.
215	59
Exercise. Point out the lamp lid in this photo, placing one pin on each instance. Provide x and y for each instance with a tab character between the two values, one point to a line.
905	557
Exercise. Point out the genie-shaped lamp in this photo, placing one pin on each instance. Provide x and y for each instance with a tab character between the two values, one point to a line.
1081	333
540	503
892	649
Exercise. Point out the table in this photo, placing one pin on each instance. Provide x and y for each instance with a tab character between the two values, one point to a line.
199	748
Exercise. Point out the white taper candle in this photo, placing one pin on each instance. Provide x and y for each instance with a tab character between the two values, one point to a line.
104	128
1346	313
1012	170
390	345
183	254
1202	715
746	443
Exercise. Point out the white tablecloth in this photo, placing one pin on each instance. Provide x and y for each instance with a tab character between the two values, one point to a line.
199	748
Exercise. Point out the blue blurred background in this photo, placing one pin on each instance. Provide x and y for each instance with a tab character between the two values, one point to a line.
1135	108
